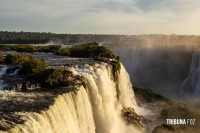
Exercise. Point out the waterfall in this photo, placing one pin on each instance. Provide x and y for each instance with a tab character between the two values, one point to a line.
8	71
15	72
3	70
192	83
103	96
95	109
71	113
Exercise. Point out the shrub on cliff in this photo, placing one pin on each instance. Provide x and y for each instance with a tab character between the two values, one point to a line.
5	47
59	77
63	51
54	78
12	59
84	50
49	48
91	50
104	52
24	48
33	65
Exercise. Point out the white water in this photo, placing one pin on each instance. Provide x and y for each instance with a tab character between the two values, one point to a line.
97	110
2	72
192	82
15	72
127	97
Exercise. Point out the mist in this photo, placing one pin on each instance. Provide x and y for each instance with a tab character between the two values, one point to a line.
158	62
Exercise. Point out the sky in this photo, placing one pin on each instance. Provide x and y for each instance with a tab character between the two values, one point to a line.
102	16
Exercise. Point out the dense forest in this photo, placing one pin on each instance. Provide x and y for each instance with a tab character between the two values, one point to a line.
7	37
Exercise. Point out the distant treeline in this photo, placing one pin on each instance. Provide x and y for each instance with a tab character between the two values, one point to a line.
7	37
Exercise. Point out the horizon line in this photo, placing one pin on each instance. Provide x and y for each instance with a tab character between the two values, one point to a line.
108	34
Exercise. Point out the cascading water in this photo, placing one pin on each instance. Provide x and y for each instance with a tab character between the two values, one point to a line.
2	72
15	72
192	83
125	87
103	96
71	113
8	71
95	109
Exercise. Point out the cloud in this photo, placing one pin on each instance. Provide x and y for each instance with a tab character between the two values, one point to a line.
101	16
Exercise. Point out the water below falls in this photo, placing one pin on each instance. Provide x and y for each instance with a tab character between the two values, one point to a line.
95	109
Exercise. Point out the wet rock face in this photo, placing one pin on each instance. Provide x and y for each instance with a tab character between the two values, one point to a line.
129	115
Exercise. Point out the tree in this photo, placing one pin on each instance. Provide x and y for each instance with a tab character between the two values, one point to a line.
34	65
13	59
63	51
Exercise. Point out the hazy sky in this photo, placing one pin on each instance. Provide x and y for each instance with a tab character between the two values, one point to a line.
101	16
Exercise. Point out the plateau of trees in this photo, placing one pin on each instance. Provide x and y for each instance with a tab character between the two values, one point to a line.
83	50
38	70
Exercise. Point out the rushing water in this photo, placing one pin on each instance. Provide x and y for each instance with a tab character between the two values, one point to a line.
95	109
4	70
192	83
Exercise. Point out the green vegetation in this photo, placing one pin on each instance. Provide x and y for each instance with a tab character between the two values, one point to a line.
49	48
23	37
54	78
83	50
99	53
30	48
38	70
91	50
29	64
13	59
63	51
33	65
42	37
